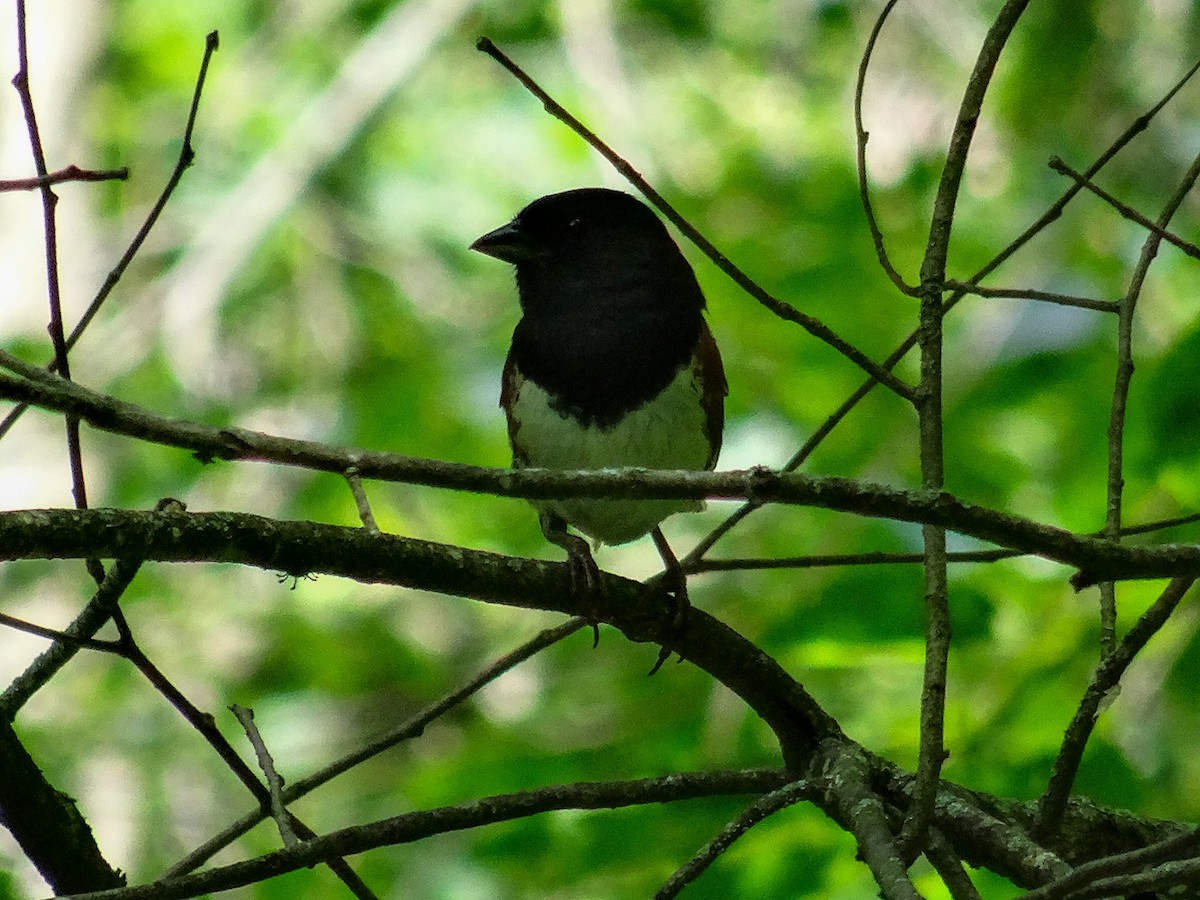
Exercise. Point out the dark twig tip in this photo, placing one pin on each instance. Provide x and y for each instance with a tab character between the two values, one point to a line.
212	41
485	45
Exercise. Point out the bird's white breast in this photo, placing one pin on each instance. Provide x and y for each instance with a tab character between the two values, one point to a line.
667	432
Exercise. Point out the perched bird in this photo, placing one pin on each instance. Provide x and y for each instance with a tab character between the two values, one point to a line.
611	364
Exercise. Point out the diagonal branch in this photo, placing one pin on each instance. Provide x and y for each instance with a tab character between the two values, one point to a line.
47	824
786	311
415	826
931	431
1052	213
1107	676
1155	228
410	728
186	156
861	136
760	809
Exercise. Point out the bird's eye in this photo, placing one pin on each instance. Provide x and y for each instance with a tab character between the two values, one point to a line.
575	223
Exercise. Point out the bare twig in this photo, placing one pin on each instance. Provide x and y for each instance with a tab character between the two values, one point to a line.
415	826
1183	845
786	311
877	558
1106	677
864	189
86	624
50	233
949	866
274	780
205	724
1125	210
765	806
186	156
360	500
1154	882
69	173
823	561
1054	211
1109	306
411	728
53	634
1115	485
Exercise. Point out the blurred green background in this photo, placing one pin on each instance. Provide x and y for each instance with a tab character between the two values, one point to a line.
311	279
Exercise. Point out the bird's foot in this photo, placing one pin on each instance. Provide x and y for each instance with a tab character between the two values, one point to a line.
585	586
585	574
676	584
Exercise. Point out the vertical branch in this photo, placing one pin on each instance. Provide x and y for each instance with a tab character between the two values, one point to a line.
929	410
1050	215
186	155
1115	657
50	229
1122	380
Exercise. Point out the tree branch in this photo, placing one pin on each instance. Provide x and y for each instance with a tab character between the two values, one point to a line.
47	824
785	311
418	825
69	173
931	431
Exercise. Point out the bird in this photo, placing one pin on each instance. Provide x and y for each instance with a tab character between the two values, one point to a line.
611	364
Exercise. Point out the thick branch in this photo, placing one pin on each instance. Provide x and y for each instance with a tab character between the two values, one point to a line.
301	548
47	824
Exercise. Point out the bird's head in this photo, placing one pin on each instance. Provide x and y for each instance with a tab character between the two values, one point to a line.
593	247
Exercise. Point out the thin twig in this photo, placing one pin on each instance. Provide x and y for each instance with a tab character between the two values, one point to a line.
950	868
93	617
206	725
783	310
1053	802
884	558
1182	845
830	560
360	500
69	173
1055	210
764	806
421	824
406	730
1108	306
186	156
1125	210
1115	484
861	136
53	634
266	762
53	290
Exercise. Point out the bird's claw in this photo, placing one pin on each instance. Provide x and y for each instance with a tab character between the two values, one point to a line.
585	586
679	617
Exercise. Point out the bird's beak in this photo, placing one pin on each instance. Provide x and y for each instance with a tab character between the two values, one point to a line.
509	243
